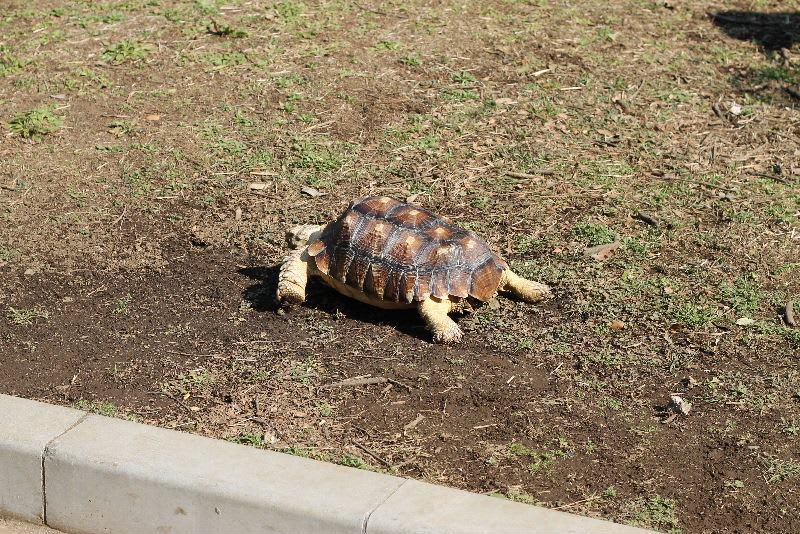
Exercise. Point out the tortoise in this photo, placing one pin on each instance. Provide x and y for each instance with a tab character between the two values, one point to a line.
394	255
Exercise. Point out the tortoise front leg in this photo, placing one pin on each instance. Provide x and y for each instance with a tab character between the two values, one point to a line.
434	311
523	288
292	278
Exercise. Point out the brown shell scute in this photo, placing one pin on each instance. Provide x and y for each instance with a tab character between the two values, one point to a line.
399	252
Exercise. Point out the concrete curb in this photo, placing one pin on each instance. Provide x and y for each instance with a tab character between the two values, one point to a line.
79	472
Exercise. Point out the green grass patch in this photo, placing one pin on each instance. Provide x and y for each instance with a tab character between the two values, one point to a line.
35	123
594	234
25	316
127	50
9	63
657	512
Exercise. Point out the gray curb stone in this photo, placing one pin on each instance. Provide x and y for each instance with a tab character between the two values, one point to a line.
26	428
424	508
108	475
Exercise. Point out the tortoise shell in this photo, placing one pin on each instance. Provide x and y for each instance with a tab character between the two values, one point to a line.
399	252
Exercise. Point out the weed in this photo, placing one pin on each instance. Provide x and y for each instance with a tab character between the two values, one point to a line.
409	60
521	450
383	46
252	440
101	408
692	314
226	31
6	254
222	60
780	74
320	159
35	123
518	496
122	305
206	7
655	512
305	370
608	402
324	409
790	427
464	78
122	127
544	461
777	470
594	234
460	94
792	335
109	17
97	79
734	485
196	379
107	409
127	50
353	461
297	451
743	294
289	11
25	317
10	64
229	146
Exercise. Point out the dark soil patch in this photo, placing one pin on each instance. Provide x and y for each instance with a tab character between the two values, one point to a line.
139	243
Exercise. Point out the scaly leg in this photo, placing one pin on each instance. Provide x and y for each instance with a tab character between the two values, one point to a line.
292	278
434	311
524	289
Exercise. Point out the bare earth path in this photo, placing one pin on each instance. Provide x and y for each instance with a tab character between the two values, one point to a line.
152	153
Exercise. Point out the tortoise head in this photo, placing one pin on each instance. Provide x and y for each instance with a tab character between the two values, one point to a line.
300	235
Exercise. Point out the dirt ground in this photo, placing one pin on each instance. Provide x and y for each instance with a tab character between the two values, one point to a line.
153	152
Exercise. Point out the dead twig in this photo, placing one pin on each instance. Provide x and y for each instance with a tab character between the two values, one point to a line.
531	174
176	400
264	422
122	215
788	313
646	219
372	454
417	420
594	498
718	112
357	382
398	384
368	10
771	177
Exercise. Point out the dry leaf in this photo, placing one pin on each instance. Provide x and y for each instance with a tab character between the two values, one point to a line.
310	191
602	252
616	325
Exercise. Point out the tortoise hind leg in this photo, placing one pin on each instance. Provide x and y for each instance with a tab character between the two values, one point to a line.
523	288
292	278
434	311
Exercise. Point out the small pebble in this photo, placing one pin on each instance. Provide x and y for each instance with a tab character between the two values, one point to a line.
678	405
